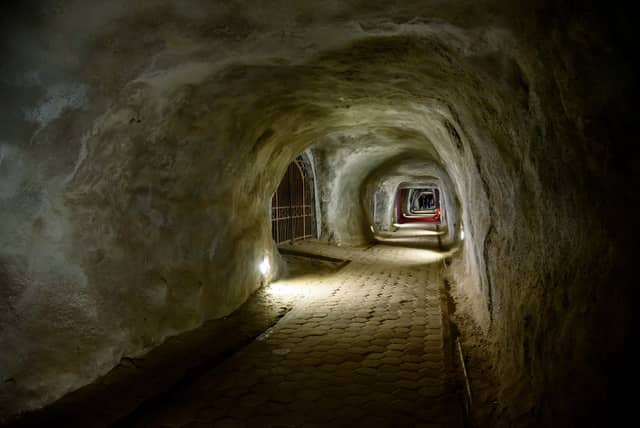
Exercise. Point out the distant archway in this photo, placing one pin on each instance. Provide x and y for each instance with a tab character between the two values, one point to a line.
293	204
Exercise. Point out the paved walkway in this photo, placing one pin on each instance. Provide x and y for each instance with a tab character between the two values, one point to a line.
363	347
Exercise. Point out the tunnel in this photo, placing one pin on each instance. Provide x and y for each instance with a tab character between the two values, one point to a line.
466	216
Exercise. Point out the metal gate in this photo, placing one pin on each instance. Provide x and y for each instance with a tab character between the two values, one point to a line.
292	205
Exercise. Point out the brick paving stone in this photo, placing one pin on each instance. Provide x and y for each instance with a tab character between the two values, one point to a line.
361	347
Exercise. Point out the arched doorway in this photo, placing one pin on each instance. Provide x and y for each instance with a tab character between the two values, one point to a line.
293	205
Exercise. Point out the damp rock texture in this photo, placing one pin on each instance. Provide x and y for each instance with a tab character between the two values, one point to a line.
140	144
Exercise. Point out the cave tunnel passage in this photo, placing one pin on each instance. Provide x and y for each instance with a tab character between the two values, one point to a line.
143	145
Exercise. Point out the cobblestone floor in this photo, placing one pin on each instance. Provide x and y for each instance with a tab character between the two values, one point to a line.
362	348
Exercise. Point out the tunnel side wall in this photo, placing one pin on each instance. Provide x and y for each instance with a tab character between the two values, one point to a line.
554	265
126	248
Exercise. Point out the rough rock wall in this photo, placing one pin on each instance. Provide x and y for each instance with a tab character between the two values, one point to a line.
568	321
557	269
141	143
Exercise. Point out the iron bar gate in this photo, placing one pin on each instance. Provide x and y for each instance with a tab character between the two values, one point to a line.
292	205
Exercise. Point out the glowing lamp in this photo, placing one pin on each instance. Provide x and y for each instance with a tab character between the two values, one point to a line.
264	266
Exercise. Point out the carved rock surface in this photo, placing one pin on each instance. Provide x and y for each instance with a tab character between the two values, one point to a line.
140	144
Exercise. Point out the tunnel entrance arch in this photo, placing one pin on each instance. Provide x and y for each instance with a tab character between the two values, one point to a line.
293	204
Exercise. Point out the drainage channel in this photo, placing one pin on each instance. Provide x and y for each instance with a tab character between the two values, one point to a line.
455	363
190	377
137	386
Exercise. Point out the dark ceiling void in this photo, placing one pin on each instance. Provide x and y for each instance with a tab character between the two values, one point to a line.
141	146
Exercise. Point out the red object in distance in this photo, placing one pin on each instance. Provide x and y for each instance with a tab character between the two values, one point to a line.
403	219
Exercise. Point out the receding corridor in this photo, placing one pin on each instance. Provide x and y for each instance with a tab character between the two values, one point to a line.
317	212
